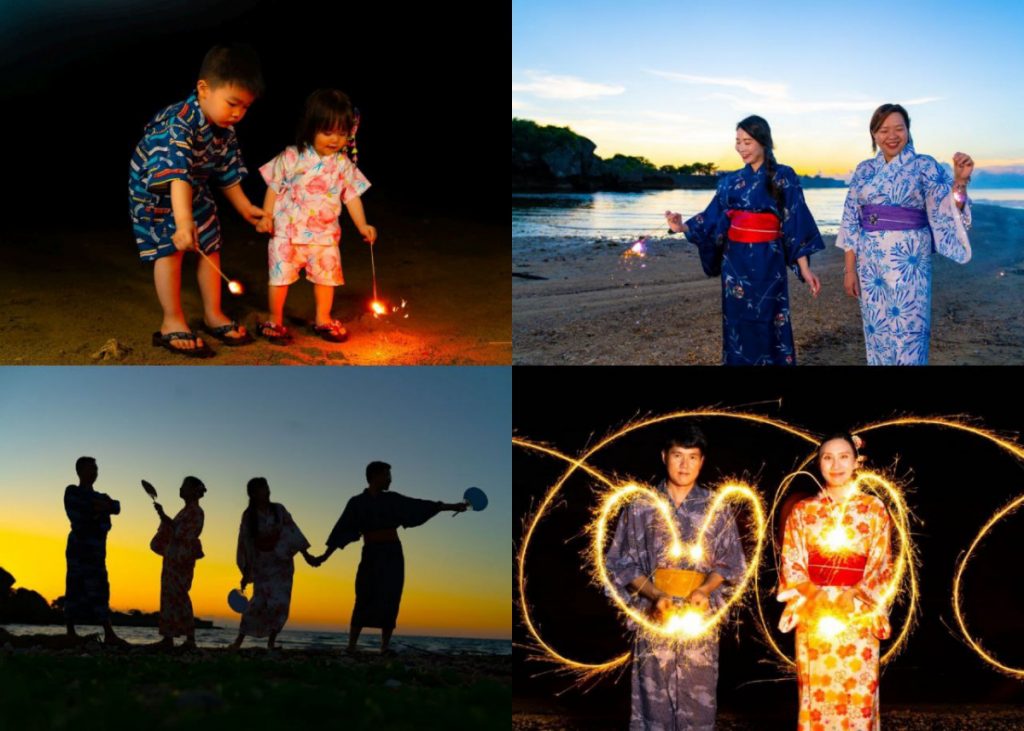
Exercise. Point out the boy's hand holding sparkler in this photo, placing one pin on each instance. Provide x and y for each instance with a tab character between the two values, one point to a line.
185	237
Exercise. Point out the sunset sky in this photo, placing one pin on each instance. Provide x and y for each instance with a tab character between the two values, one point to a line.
669	80
310	432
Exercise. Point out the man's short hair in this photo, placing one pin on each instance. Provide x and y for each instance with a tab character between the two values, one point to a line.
687	437
81	462
376	468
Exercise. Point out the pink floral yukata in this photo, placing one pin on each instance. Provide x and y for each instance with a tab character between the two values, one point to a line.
310	192
267	559
180	556
838	676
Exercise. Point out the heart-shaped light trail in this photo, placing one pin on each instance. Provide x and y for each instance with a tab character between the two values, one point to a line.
689	624
904	572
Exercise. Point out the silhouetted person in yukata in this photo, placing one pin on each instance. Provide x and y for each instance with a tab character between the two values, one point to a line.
376	514
87	592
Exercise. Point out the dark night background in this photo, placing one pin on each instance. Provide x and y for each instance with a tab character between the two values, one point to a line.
78	81
955	482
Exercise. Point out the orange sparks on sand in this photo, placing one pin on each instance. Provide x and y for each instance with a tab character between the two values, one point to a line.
378	308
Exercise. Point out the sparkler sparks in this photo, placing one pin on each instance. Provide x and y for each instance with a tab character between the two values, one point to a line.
904	574
829	627
958	576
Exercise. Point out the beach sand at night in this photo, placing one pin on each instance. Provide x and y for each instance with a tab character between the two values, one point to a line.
66	294
576	304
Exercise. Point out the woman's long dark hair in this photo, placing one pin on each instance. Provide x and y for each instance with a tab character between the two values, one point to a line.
250	512
757	127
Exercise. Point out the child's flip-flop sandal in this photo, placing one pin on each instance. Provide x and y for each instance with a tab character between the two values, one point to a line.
221	333
160	340
333	332
277	334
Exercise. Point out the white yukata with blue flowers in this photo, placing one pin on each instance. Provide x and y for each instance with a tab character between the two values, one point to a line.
895	267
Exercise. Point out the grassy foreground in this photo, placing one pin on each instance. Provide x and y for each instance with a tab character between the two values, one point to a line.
133	688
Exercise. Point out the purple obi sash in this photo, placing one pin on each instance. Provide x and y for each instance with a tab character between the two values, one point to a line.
891	218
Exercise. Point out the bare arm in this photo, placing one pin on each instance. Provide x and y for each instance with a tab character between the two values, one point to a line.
185	235
358	216
245	207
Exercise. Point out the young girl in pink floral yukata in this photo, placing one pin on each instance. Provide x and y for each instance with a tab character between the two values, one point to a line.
306	187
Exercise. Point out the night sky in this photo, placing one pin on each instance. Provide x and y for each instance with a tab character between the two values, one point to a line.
78	81
954	483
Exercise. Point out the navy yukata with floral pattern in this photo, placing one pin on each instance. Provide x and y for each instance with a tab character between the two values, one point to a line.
756	324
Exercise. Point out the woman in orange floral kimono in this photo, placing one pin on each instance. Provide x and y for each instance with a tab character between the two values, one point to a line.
178	542
836	564
268	540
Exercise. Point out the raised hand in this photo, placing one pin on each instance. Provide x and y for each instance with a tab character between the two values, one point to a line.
963	168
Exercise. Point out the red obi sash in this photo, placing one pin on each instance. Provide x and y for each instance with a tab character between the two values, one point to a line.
748	227
835	570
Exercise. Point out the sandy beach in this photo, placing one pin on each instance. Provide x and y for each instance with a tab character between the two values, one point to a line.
581	303
81	297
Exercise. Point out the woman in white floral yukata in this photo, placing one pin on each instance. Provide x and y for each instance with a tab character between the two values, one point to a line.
268	540
836	565
901	208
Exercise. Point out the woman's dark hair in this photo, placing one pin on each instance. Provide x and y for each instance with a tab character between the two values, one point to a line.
326	109
880	115
757	127
250	512
846	437
194	483
687	437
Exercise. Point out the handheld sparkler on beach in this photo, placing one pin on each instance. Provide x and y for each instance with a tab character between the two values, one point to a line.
234	286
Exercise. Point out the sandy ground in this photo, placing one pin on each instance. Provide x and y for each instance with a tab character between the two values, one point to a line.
594	307
65	295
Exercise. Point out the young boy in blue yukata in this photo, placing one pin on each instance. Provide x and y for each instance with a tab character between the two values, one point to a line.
185	149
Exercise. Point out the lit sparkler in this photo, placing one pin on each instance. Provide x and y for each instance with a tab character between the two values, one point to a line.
234	286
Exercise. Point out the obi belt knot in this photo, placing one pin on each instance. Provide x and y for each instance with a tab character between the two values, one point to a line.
748	227
891	218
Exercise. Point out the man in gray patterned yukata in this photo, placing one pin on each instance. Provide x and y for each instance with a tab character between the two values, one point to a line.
674	684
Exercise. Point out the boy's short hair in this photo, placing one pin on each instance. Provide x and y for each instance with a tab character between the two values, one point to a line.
687	437
235	64
375	468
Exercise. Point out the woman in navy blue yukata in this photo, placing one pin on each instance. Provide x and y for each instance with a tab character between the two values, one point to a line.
755	227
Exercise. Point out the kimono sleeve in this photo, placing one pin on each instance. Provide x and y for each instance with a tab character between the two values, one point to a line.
800	236
171	156
708	230
413	511
353	183
186	528
878	569
793	571
292	540
948	224
346	530
850	231
275	172
627	557
727	559
231	169
76	505
115	505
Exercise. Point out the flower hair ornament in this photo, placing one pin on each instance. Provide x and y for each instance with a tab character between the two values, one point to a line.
858	444
353	151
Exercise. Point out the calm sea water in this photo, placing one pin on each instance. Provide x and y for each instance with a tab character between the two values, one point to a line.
294	639
625	216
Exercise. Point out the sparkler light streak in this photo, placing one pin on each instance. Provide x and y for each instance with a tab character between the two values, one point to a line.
958	575
585	670
906	561
690	624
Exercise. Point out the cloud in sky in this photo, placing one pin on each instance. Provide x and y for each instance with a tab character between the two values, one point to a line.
552	86
775	97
